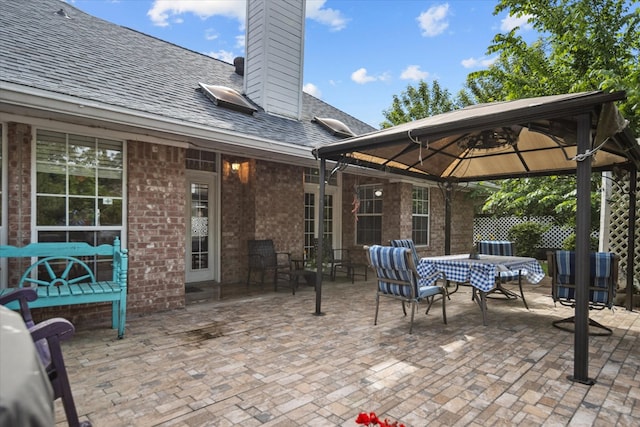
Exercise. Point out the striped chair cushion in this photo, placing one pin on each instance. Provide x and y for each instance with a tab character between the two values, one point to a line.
407	243
391	263
502	248
495	247
600	273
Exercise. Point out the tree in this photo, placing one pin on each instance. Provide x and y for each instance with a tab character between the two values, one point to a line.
542	196
417	103
584	45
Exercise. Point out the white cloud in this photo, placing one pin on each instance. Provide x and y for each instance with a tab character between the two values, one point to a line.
361	76
312	89
326	16
413	72
162	11
510	22
434	20
211	34
223	55
478	62
240	41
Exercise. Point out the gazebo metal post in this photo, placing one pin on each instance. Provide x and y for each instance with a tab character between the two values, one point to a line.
631	237
319	265
583	220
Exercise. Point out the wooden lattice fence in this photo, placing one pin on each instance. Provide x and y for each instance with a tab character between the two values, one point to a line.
618	232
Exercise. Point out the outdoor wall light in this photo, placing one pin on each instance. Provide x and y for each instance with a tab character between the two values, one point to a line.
235	167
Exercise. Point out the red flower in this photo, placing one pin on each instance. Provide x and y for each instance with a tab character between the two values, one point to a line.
363	418
371	419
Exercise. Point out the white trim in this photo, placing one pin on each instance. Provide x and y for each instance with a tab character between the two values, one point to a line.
212	179
5	201
66	127
103	114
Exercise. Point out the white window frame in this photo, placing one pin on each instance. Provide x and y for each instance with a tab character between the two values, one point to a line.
415	214
369	209
67	228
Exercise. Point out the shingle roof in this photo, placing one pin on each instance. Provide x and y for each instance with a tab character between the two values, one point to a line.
86	57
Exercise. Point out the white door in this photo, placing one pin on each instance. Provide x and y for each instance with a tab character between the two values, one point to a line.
201	257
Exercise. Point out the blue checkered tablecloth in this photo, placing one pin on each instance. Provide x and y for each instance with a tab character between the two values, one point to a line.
480	273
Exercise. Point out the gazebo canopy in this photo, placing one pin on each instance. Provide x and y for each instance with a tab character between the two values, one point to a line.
526	137
551	135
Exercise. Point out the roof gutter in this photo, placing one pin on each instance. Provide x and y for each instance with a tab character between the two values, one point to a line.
93	113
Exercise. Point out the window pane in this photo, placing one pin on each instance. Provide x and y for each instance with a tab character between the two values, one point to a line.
110	154
82	151
76	175
51	211
420	219
369	230
82	181
109	183
110	212
420	230
81	212
51	182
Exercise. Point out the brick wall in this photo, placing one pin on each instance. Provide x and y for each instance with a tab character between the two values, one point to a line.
265	200
397	216
156	228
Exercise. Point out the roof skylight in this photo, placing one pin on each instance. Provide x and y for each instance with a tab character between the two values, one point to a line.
334	126
226	97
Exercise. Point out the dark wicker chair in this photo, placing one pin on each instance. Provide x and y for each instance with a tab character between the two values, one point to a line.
334	258
264	261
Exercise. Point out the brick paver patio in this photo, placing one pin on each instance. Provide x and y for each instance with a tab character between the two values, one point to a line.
266	360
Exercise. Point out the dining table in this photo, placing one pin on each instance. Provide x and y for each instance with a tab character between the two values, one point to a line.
480	271
26	395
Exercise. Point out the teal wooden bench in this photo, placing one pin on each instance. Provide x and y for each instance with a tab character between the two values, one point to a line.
65	279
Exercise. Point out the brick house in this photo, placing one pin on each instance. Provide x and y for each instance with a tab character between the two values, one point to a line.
109	132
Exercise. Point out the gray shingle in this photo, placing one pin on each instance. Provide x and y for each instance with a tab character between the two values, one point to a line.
89	58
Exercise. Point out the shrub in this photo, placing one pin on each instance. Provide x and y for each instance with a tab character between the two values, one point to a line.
569	244
526	237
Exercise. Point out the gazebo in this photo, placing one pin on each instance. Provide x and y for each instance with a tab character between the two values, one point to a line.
552	135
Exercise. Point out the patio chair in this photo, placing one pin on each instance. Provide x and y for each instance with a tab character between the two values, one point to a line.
398	279
47	336
264	260
334	258
504	248
407	243
603	277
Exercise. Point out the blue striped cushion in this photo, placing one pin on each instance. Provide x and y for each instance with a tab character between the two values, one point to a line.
495	247
407	243
600	272
390	262
503	248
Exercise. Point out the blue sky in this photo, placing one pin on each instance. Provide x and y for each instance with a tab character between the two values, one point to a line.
358	53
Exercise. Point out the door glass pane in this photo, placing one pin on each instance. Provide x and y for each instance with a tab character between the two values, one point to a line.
199	226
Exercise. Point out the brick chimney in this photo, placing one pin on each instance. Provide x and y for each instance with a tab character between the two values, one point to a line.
274	55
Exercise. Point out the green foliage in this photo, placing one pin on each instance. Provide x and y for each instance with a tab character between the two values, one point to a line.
584	45
417	103
569	243
526	236
543	196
